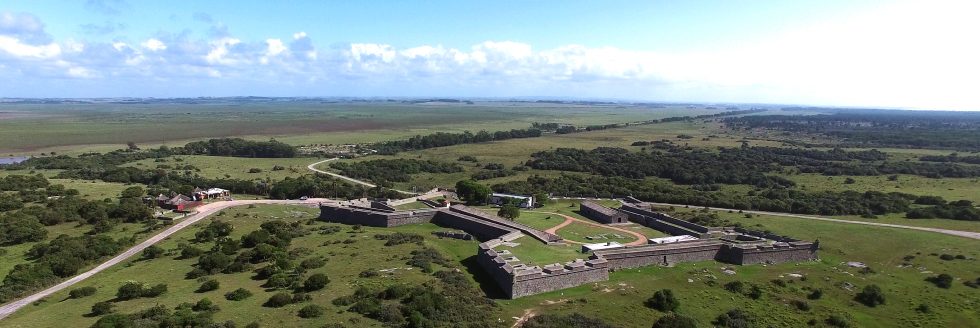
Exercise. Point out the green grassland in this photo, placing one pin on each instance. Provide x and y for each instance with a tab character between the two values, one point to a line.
218	167
948	188
14	255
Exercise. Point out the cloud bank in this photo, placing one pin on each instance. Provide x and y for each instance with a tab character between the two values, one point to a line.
892	58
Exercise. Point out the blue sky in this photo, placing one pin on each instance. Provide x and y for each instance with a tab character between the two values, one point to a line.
914	54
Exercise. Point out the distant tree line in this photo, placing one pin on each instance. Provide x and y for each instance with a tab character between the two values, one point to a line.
443	139
777	200
739	165
951	158
327	187
237	147
878	128
386	171
559	128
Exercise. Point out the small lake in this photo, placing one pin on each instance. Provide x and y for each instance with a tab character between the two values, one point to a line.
12	160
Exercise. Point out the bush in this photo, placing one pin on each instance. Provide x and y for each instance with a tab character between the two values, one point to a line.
130	290
205	305
152	252
815	295
735	286
837	321
942	280
311	311
871	296
562	321
800	305
947	257
663	300
673	320
81	292
101	308
315	282
734	318
155	291
254	170
238	294
278	300
208	286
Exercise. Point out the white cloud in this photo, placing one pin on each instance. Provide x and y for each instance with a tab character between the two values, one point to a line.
154	45
19	49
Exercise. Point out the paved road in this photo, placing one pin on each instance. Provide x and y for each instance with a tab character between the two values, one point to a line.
203	212
640	238
313	168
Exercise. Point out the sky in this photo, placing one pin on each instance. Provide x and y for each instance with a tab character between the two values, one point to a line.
901	54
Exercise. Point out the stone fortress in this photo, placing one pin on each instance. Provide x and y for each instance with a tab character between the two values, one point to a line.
729	245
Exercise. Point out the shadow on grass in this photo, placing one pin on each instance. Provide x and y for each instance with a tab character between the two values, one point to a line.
483	279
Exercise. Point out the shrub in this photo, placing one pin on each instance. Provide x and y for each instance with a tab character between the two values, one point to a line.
368	274
871	296
152	252
311	311
942	280
208	286
155	291
315	282
188	251
205	305
837	321
312	263
733	318
735	286
254	170
815	295
238	294
278	300
947	257
673	320
754	292
663	300
101	308
800	305
81	292
129	290
923	308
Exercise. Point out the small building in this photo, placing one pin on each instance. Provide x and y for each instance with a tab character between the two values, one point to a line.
589	248
179	203
671	239
504	199
211	193
601	214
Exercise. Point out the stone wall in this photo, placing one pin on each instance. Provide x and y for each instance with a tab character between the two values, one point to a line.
660	254
601	214
517	280
779	252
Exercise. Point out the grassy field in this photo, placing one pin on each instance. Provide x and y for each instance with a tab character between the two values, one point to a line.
218	167
14	255
949	188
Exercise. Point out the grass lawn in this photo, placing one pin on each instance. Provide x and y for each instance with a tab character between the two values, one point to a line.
412	206
540	221
580	231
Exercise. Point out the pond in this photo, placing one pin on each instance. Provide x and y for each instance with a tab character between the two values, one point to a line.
12	160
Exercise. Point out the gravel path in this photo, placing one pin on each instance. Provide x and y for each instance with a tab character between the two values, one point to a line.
203	211
641	239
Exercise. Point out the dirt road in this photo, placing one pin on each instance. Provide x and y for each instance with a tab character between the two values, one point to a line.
203	212
641	239
313	168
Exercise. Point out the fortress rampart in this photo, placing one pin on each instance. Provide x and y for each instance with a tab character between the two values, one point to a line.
516	279
601	214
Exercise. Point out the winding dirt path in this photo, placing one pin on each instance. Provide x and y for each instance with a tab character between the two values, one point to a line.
641	239
203	211
313	168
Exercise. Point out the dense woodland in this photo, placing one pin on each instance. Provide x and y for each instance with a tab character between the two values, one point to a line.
443	139
386	171
744	165
775	199
878	128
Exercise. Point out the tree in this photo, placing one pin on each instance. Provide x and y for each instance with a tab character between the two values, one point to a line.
101	308
278	300
130	290
663	300
208	286
509	211
311	311
315	282
943	280
132	192
20	228
152	252
871	296
673	320
472	191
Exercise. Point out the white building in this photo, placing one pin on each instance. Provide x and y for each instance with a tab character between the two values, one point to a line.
502	199
671	239
588	248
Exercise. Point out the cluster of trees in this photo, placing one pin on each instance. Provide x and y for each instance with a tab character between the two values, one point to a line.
473	192
325	186
443	139
238	147
951	158
449	301
776	200
385	171
198	314
958	210
58	259
878	128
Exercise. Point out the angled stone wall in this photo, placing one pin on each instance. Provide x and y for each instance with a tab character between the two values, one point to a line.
601	214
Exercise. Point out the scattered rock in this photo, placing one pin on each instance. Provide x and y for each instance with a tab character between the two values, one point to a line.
729	272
